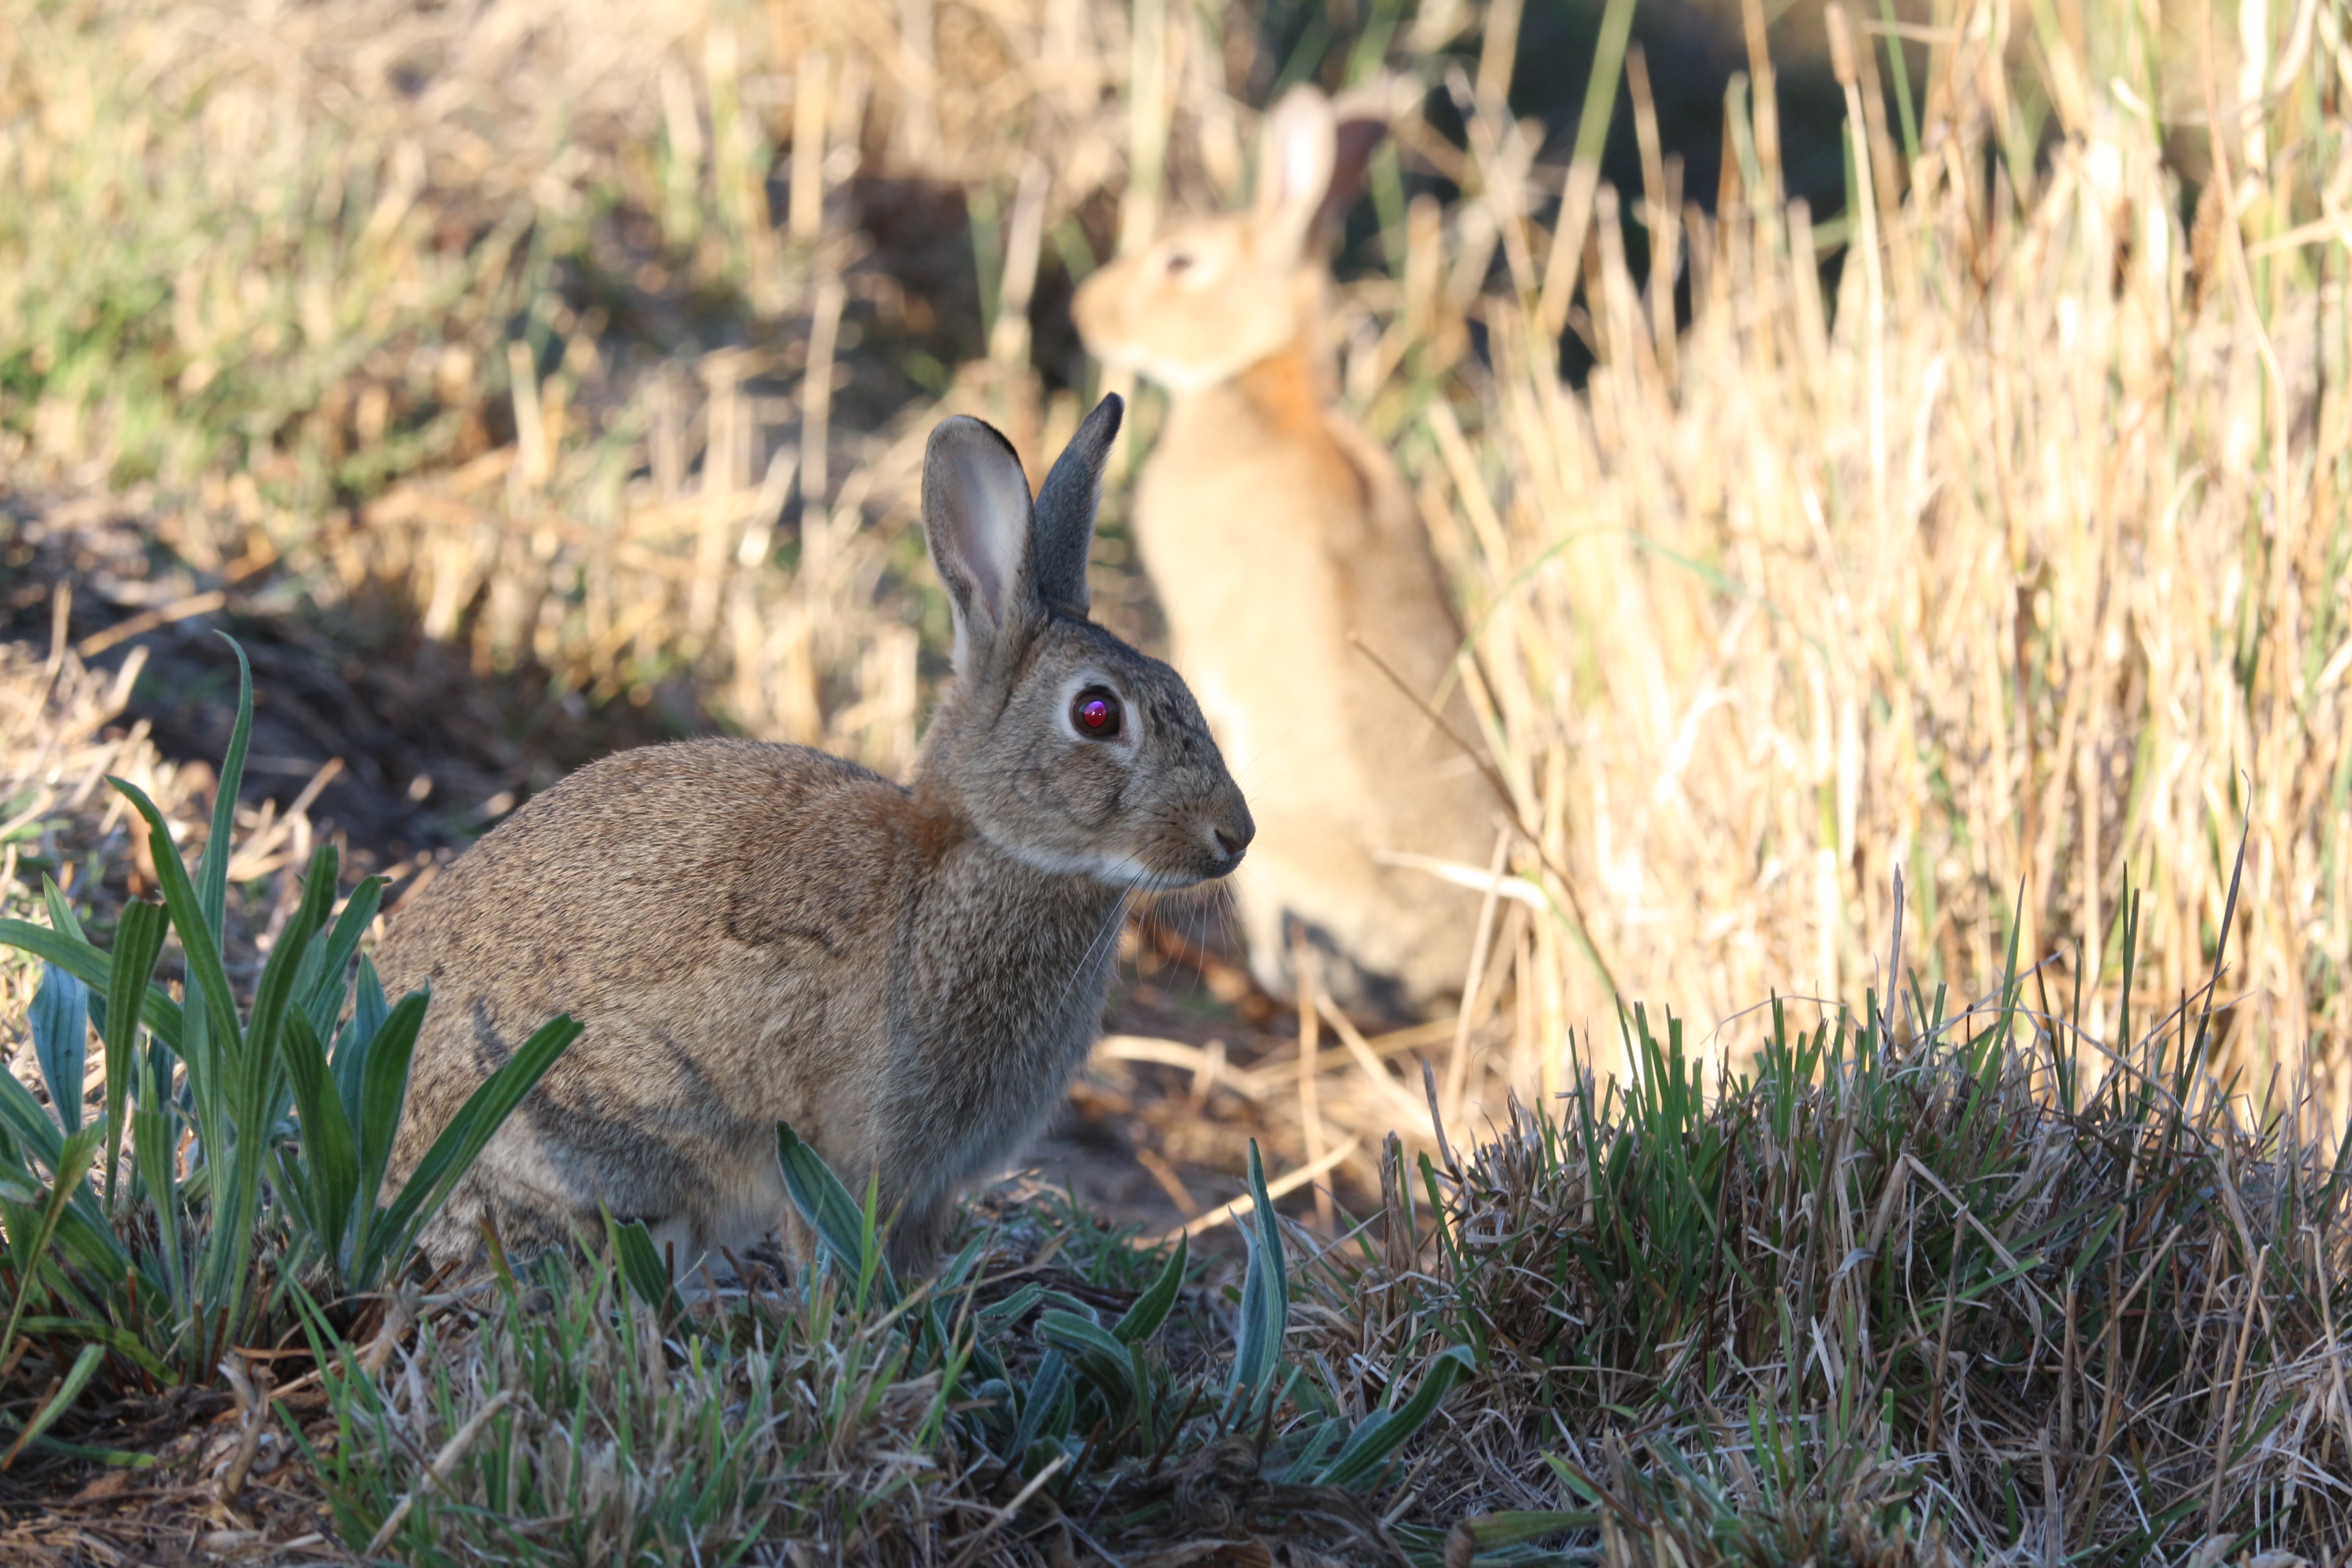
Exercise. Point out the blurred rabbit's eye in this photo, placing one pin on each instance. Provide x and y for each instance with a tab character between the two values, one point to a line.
1095	713
1179	261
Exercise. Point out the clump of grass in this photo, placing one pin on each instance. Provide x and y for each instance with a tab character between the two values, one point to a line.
585	1412
1923	1285
234	1160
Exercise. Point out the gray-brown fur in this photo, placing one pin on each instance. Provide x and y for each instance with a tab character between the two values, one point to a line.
751	932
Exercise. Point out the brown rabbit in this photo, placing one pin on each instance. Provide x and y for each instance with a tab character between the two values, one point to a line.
755	932
1273	530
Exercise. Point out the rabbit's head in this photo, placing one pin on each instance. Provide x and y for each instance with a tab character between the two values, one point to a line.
1216	293
1065	747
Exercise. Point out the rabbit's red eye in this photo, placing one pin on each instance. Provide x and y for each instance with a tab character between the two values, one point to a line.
1095	713
1179	261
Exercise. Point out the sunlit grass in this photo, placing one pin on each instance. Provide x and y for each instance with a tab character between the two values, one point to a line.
1991	530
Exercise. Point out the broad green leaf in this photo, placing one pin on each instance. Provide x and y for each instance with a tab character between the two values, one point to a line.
324	998
1099	1357
154	1157
110	1336
92	968
468	1132
647	1273
1010	1309
382	1096
28	1249
369	1013
838	1219
61	1040
89	1242
27	1122
271	996
1151	1309
1385	1431
1039	1403
327	1154
138	944
1265	1303
196	936
62	917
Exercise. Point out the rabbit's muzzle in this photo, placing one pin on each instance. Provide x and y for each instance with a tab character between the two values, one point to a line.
1219	836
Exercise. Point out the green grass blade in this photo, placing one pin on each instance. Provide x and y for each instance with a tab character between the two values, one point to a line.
1265	1302
326	1152
61	915
1382	1433
1150	1309
60	1022
78	1378
1039	1401
382	1095
643	1267
92	968
29	1123
153	1157
837	1218
324	999
369	1014
455	1151
212	870
275	990
27	1252
105	1336
1098	1355
138	945
197	940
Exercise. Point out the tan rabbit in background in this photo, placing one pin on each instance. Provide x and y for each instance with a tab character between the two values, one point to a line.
1273	529
755	932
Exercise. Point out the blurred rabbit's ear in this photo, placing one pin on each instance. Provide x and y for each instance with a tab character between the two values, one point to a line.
1296	153
976	518
1065	511
1361	117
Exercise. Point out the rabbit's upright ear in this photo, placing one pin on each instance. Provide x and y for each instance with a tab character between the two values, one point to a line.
1296	153
976	518
1360	117
1065	511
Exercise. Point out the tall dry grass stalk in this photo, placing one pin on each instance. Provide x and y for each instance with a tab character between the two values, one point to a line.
2015	566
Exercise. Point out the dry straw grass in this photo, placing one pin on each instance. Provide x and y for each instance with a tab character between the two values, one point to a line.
2012	560
2017	565
58	743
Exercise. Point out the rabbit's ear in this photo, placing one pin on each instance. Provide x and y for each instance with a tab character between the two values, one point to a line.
976	518
1296	153
1361	119
1065	511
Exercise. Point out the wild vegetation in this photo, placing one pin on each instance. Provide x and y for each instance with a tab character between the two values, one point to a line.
1976	514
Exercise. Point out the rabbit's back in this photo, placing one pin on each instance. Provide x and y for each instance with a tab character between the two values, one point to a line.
711	913
598	884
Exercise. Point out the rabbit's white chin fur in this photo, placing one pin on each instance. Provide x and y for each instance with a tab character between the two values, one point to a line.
1114	871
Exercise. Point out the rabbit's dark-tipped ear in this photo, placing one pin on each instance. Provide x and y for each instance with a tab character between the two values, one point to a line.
1065	510
976	518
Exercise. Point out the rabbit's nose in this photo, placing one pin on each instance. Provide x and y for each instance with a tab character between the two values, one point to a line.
1231	842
